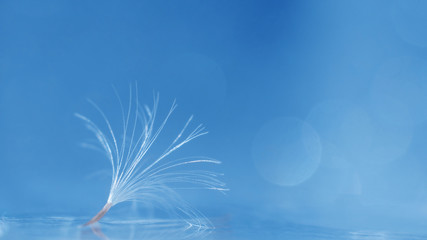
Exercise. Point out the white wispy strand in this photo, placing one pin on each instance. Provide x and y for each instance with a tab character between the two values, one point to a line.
135	177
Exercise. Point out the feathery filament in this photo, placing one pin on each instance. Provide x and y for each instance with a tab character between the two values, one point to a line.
135	177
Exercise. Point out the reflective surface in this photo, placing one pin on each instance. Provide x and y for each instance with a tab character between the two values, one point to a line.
70	228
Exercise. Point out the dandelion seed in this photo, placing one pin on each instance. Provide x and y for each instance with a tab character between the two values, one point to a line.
135	177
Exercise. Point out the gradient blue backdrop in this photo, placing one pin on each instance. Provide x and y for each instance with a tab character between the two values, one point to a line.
316	108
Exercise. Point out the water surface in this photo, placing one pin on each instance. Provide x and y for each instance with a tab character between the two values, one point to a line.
71	228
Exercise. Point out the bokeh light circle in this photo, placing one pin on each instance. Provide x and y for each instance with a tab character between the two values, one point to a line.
286	151
399	91
361	132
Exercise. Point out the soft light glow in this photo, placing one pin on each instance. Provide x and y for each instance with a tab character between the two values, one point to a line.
286	151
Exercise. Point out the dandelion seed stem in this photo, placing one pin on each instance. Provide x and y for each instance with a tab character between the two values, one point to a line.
101	213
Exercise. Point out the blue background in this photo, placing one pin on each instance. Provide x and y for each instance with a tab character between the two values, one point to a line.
317	109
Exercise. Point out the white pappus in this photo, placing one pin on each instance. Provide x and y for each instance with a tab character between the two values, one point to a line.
136	177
